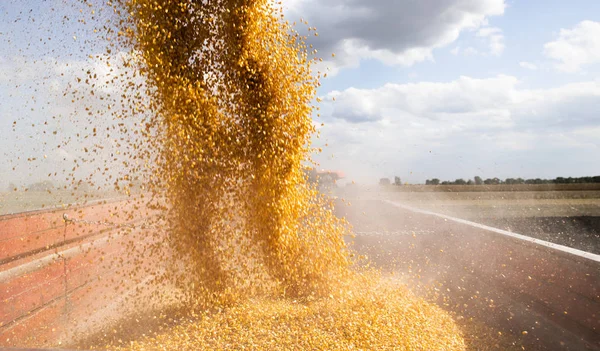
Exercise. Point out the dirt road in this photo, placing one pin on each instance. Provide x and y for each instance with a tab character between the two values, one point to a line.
543	298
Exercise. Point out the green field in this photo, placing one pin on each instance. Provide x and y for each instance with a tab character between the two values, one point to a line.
494	188
22	201
473	205
491	201
467	204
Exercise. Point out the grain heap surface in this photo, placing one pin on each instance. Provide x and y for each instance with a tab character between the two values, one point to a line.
382	318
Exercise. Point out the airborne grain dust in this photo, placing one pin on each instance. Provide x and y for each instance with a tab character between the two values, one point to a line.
217	99
230	87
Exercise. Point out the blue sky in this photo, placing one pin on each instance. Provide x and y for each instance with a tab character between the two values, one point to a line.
526	26
502	88
45	130
423	89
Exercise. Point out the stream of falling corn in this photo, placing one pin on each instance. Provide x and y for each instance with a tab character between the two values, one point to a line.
257	251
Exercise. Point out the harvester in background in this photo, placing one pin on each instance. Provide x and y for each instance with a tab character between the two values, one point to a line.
326	180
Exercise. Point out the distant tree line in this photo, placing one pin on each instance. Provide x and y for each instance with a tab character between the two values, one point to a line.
386	181
45	185
493	181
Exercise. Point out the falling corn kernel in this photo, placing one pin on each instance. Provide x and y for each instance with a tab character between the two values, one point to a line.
256	253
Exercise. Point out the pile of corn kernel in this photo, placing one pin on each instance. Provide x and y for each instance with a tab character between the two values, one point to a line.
377	319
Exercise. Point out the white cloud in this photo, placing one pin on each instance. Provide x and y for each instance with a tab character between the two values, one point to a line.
495	39
470	103
55	111
470	51
491	37
469	123
576	47
429	100
528	65
393	32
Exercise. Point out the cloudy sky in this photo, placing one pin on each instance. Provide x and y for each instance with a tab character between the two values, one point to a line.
457	88
55	120
417	88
